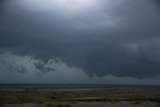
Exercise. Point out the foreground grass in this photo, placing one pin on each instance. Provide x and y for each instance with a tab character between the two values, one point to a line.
135	96
57	105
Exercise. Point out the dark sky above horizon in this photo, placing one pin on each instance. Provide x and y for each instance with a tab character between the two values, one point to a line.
80	41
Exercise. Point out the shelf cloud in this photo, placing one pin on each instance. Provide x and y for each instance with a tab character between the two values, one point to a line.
119	38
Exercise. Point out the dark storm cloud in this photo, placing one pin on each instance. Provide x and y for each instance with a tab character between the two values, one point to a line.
42	68
120	40
12	67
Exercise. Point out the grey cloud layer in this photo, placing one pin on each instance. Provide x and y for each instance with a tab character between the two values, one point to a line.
62	74
121	39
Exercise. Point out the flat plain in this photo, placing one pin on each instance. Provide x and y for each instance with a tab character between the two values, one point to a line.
100	97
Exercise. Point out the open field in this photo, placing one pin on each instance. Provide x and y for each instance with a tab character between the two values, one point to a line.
108	97
86	104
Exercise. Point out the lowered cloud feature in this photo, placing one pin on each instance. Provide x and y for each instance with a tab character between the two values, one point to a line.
86	41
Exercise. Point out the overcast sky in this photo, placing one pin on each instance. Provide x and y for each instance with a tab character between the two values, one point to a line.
80	41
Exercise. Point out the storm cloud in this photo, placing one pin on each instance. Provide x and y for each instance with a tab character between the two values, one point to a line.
118	38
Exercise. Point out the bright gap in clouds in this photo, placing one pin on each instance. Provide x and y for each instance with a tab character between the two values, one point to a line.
66	6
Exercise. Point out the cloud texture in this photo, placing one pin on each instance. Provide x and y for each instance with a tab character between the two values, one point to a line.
118	38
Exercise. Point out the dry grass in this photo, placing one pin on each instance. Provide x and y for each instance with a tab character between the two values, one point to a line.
100	95
85	104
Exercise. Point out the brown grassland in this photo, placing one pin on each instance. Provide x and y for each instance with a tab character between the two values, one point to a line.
109	97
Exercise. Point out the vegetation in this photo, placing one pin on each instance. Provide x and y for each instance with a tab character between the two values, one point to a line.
57	97
57	105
